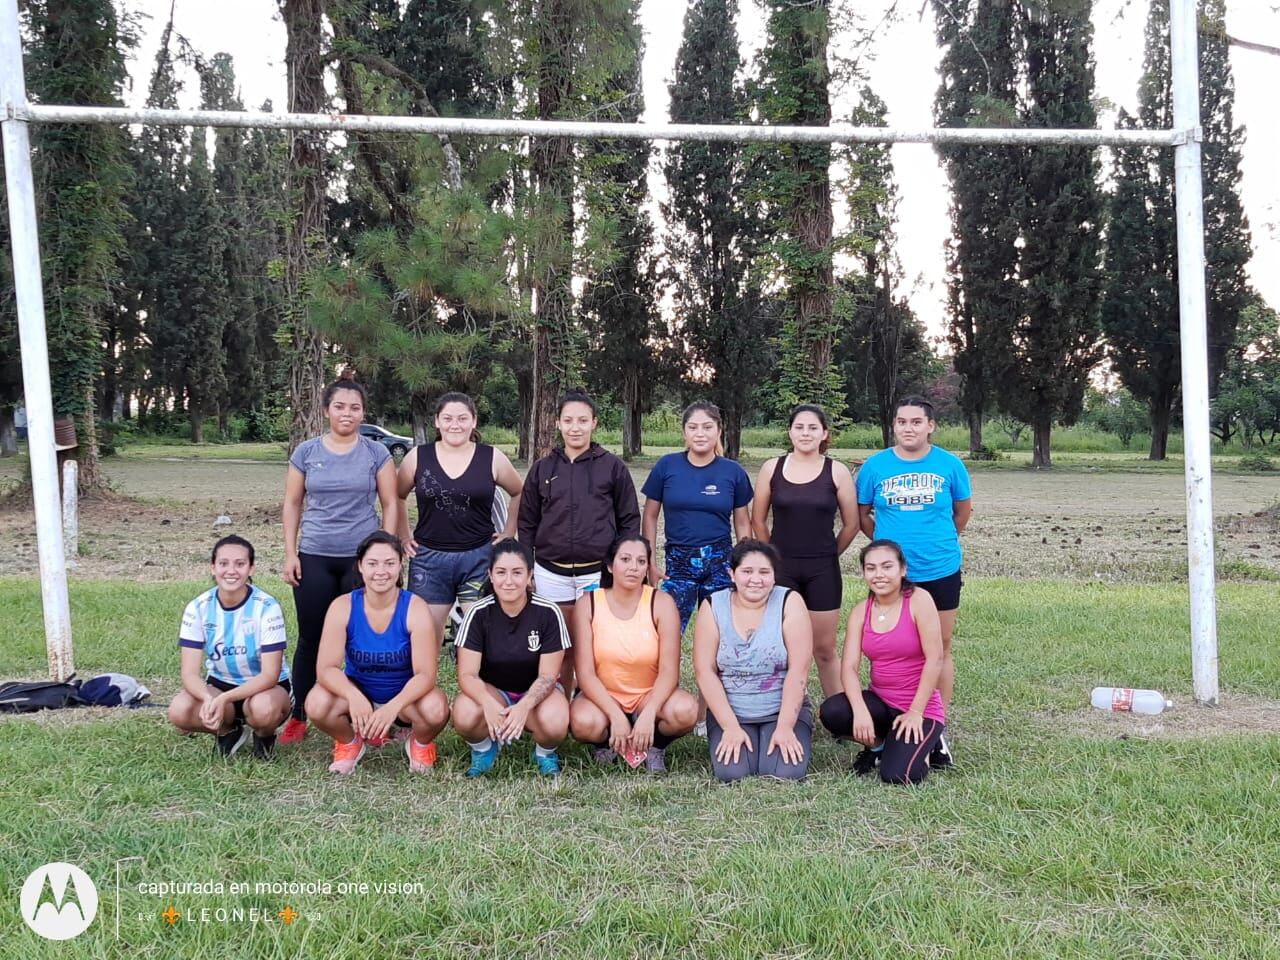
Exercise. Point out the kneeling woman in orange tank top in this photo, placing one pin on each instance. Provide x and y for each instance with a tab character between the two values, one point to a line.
627	655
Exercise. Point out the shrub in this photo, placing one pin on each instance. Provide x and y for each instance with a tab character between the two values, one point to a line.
1256	463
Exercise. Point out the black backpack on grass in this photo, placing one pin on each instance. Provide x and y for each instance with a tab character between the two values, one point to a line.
18	696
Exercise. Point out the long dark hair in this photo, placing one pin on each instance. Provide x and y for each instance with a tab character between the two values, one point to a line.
466	401
372	540
510	547
606	575
888	545
818	412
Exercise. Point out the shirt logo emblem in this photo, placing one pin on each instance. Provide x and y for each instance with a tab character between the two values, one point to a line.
535	641
710	490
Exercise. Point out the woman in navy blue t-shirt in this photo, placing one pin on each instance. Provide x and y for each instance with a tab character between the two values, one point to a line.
377	664
704	498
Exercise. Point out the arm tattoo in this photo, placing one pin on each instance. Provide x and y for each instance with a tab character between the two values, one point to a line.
539	690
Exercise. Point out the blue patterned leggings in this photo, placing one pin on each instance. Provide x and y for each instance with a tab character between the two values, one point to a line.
694	574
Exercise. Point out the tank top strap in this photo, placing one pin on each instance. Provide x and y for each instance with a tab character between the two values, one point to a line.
866	617
777	477
356	618
400	621
829	471
481	463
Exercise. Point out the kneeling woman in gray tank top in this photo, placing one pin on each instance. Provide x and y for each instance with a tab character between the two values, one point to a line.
752	649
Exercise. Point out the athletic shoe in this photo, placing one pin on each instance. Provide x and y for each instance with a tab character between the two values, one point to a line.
233	739
655	760
482	761
548	766
700	729
264	748
940	757
604	755
346	755
293	732
866	762
422	756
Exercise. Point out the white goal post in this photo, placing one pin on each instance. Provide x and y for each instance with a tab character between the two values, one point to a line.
16	114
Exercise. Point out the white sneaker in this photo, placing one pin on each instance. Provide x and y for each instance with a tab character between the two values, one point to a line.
700	729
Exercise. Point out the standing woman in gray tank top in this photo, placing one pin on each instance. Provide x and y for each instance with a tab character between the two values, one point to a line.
333	485
806	491
454	480
752	647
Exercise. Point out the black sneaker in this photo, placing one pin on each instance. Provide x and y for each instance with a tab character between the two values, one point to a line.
264	748
232	740
866	762
940	757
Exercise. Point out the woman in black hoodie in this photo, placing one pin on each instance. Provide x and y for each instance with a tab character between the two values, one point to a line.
577	500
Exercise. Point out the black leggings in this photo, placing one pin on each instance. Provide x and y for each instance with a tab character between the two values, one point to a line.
324	579
900	761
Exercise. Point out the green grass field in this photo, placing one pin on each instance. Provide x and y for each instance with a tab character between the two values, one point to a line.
1063	833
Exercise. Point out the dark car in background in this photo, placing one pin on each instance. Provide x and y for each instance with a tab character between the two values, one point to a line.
397	444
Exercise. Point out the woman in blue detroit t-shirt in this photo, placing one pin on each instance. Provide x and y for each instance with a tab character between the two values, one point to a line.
918	496
705	498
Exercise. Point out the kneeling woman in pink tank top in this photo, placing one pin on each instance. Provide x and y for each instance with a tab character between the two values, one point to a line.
899	717
628	662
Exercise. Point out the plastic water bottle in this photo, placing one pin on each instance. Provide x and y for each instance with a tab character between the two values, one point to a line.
1126	700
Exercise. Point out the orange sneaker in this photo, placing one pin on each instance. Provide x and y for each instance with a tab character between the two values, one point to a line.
422	756
346	755
293	731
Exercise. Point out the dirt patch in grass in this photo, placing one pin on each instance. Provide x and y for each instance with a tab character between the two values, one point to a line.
1236	715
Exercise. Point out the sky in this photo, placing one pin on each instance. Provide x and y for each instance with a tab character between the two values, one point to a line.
902	67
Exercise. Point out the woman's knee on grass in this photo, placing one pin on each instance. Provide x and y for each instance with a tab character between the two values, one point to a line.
549	720
184	713
267	710
468	718
323	707
587	721
679	715
431	712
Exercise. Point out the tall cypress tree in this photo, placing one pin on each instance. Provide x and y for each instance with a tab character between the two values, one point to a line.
77	55
716	225
1140	308
202	240
1053	343
979	88
619	309
1140	299
793	90
1226	229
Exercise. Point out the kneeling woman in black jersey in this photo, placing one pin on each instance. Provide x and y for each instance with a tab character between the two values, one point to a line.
511	646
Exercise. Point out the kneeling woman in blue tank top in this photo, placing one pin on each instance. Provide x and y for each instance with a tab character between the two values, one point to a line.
385	638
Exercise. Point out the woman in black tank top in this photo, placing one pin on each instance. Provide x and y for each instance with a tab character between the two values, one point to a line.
806	490
454	480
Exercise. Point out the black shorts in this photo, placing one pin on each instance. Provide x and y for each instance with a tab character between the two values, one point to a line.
945	591
816	579
224	687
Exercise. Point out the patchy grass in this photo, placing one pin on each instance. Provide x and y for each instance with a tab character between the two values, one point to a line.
1062	833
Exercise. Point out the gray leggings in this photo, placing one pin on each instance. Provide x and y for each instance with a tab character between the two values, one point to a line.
754	762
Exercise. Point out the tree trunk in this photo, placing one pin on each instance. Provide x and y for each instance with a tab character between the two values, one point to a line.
732	435
197	424
1040	455
553	172
524	393
1161	409
420	413
633	442
975	432
8	432
87	453
304	58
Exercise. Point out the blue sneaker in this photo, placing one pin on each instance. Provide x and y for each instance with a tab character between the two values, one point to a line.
548	766
482	761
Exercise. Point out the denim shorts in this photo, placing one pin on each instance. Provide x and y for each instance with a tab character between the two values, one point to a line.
443	576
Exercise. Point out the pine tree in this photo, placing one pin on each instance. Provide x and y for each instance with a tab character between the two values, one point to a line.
77	55
793	90
979	88
716	225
